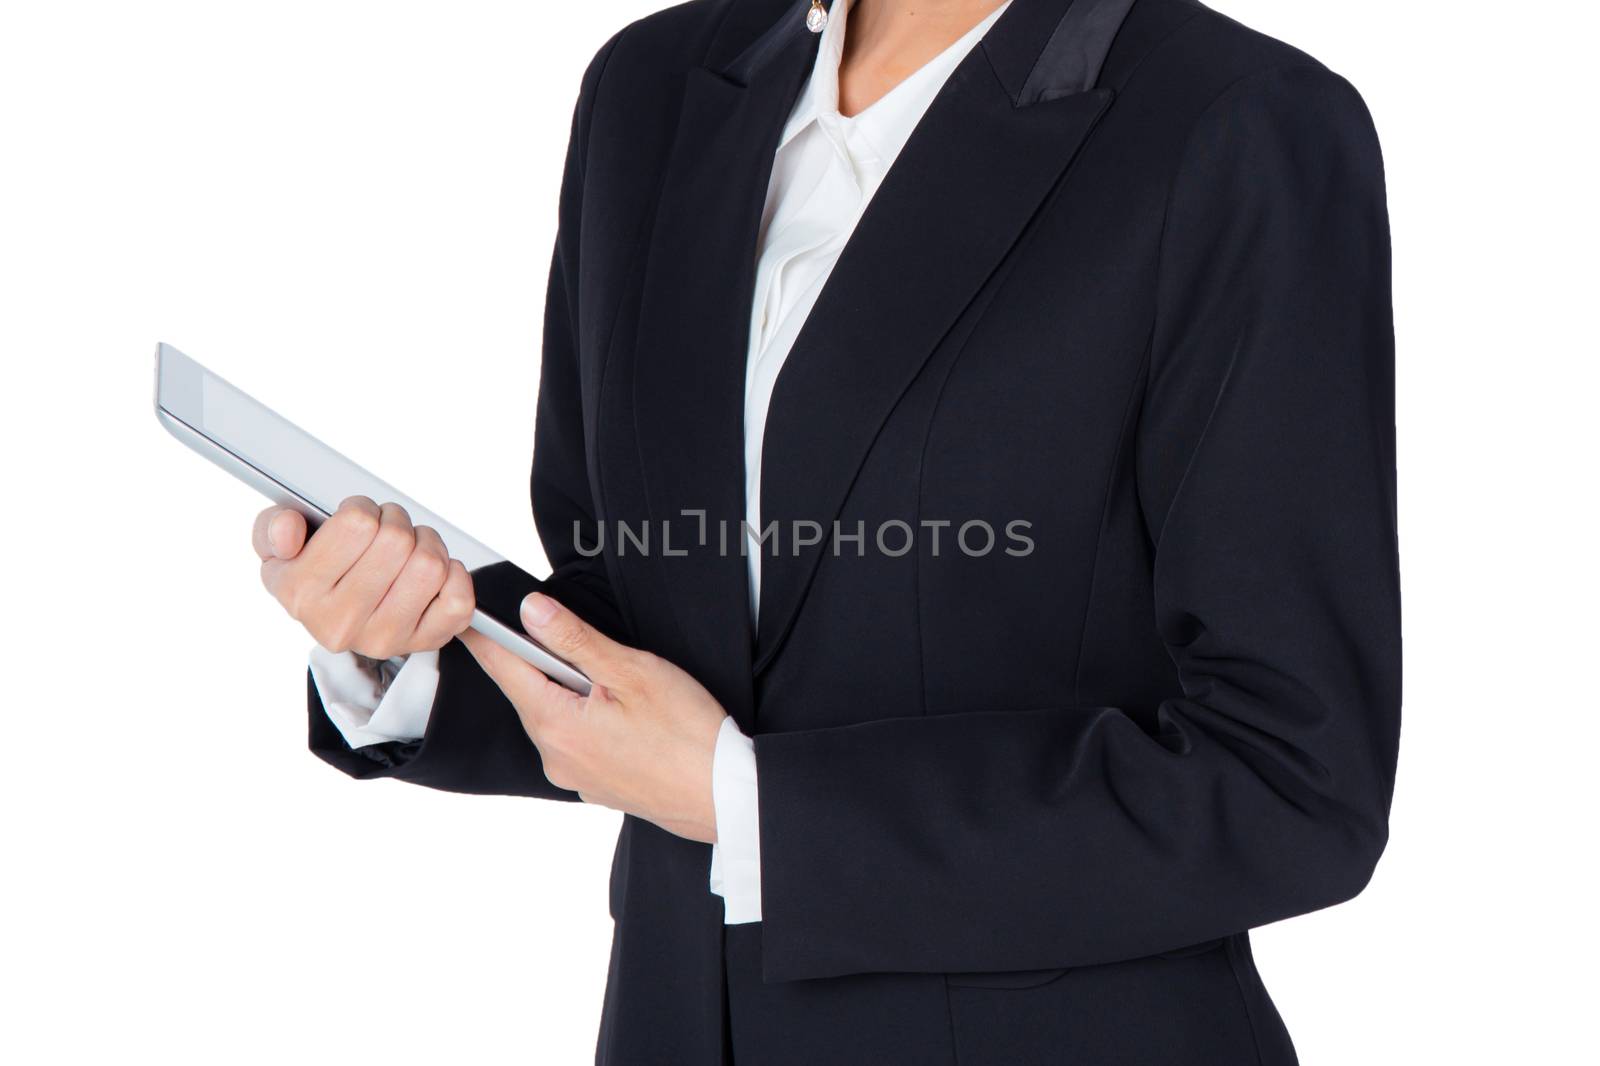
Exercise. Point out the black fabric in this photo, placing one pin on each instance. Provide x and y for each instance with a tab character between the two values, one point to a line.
1013	809
1076	51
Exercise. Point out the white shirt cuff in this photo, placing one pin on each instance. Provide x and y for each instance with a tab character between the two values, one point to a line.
375	707
736	856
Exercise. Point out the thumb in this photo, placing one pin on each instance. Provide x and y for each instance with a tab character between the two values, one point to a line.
603	659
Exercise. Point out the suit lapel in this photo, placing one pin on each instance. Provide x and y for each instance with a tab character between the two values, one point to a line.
953	204
694	320
986	154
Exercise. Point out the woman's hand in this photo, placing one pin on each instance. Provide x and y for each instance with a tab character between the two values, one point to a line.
367	581
640	743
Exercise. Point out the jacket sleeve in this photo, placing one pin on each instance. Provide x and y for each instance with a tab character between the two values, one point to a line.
474	741
1064	836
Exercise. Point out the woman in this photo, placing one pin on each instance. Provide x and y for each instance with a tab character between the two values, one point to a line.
965	450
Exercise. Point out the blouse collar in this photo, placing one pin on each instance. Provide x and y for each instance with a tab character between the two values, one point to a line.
888	123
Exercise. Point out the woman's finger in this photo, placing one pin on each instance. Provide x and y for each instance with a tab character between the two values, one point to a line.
450	611
279	533
533	694
603	659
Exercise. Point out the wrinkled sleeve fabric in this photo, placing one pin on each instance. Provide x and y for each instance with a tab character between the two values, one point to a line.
375	702
474	741
1034	838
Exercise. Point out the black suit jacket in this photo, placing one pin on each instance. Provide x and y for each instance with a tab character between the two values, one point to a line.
1128	283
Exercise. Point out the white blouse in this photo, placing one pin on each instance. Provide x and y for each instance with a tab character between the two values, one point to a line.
824	174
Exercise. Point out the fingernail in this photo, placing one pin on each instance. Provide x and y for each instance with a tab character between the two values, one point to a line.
276	534
537	610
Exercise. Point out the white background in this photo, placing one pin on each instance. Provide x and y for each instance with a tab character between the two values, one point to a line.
347	209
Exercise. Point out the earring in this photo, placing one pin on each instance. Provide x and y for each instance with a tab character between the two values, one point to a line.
817	17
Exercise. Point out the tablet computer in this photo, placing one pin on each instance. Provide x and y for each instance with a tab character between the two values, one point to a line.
291	467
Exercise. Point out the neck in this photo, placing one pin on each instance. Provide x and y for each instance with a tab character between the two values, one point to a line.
888	40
